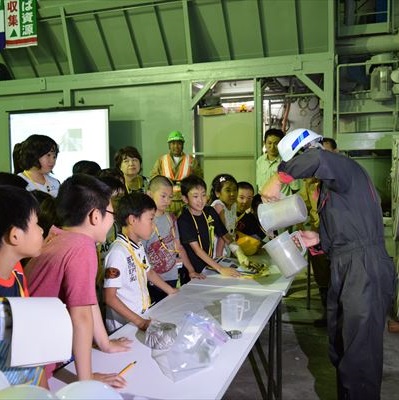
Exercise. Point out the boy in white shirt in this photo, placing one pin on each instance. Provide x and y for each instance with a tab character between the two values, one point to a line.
126	266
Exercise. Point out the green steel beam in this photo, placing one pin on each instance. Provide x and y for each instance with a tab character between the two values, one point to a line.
261	26
223	70
187	32
67	42
133	39
32	60
104	41
161	32
67	98
311	85
329	78
208	85
226	28
258	104
187	116
328	104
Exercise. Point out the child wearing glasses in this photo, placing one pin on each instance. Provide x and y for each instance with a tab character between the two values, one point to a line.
67	269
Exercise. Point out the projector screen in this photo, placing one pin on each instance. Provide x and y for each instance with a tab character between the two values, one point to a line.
81	134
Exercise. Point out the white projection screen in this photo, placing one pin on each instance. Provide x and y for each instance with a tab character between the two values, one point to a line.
81	134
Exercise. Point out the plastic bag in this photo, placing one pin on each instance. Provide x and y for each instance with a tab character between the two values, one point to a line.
196	346
160	335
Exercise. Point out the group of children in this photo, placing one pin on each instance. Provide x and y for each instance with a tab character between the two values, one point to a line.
150	249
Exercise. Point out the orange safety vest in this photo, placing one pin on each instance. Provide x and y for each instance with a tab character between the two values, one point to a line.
167	167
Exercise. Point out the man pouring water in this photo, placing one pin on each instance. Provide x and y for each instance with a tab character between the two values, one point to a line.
362	273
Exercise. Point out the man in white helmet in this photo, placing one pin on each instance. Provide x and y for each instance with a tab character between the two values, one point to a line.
362	274
176	165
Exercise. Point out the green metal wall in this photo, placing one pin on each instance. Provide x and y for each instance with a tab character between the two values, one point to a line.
140	58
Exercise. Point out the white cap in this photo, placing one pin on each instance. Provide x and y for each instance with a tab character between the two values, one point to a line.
295	140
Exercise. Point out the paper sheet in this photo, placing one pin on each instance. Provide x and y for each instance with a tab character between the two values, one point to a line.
41	331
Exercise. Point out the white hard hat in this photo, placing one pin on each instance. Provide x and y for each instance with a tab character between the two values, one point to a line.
295	140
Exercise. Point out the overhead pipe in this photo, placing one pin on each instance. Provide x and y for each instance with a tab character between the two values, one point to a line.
368	45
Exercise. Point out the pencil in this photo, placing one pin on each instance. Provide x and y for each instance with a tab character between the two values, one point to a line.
132	364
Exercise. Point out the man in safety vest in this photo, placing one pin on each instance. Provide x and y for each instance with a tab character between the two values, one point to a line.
176	165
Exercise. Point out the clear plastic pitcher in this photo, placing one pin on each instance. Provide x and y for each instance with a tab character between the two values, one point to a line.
283	213
232	313
286	255
241	300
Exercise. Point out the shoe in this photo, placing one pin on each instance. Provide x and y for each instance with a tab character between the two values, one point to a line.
320	323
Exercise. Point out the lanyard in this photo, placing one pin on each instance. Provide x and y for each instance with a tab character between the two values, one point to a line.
141	278
210	234
173	234
20	287
137	184
36	184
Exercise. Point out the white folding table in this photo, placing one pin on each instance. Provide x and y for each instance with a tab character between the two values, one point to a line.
146	379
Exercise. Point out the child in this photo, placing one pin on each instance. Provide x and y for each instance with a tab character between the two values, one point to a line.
247	221
6	178
223	198
199	224
67	269
20	237
164	250
47	214
126	268
37	157
118	189
86	167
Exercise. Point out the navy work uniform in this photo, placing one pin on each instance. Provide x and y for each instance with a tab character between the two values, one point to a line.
362	273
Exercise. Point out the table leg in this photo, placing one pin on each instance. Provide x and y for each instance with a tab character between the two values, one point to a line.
270	381
257	374
274	360
308	281
279	347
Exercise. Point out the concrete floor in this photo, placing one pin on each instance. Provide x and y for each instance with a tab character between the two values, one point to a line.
307	371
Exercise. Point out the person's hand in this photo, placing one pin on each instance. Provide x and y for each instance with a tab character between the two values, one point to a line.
118	345
113	380
226	271
309	238
270	191
173	290
143	323
196	275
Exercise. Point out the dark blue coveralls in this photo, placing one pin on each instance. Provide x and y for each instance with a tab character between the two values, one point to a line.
362	273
